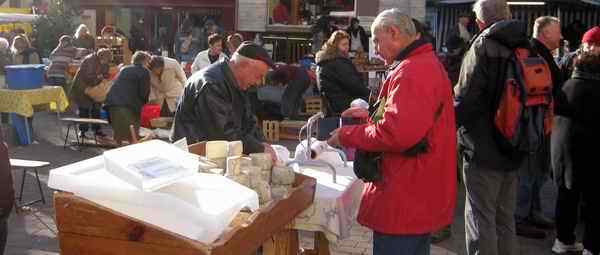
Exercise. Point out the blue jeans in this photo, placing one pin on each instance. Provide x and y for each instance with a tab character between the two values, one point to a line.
531	179
384	244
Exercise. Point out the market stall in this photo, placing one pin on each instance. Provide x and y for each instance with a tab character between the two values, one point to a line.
96	219
15	18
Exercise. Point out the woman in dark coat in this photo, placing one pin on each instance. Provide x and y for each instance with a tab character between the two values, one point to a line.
583	95
127	96
337	78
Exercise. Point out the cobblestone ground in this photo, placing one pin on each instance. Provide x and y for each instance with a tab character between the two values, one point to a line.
33	231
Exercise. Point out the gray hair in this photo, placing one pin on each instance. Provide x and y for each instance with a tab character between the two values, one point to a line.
491	11
394	17
541	23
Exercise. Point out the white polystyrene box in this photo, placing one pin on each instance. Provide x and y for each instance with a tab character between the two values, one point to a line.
150	165
199	207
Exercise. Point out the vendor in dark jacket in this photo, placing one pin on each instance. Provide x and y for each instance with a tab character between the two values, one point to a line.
127	96
7	194
337	77
215	105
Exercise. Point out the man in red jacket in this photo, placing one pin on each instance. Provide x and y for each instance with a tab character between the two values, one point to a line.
7	197
417	193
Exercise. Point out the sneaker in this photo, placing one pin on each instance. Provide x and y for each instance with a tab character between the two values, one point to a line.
529	231
559	247
541	221
587	252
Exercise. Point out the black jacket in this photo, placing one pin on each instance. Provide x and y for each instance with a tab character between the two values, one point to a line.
339	82
557	78
480	83
214	108
131	88
583	94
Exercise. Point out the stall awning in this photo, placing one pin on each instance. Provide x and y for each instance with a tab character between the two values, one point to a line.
156	3
16	17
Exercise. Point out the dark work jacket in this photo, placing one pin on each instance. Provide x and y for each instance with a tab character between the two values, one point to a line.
214	108
557	78
481	80
7	194
131	89
339	82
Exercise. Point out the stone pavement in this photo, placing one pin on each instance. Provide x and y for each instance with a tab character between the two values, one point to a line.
34	231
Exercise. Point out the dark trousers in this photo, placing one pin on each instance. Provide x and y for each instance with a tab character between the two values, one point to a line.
93	113
384	244
532	176
567	214
4	213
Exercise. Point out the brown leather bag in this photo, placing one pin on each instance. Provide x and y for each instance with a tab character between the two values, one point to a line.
99	92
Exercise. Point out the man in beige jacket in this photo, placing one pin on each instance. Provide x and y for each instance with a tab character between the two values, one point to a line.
167	79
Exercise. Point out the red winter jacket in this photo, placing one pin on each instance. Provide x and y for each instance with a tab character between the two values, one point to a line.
417	194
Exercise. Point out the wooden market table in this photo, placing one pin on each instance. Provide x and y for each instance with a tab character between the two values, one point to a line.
88	228
22	102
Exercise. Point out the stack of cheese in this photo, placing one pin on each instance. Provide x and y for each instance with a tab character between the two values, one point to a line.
256	171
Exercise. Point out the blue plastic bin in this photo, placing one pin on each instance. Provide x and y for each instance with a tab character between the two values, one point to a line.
24	76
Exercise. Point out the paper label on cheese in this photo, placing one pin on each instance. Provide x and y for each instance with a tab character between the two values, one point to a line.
156	167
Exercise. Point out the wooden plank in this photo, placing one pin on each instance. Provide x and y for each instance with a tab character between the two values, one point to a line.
73	244
283	243
269	220
76	215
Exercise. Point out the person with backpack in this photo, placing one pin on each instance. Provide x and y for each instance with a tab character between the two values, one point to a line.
533	173
574	136
490	162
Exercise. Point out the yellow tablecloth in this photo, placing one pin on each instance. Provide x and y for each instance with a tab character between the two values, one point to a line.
22	101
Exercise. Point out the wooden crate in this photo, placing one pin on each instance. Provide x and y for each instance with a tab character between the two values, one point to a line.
88	228
289	129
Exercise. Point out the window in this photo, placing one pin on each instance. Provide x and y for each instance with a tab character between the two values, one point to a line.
304	12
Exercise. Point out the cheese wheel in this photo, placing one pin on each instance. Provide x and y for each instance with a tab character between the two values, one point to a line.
235	148
264	192
280	191
241	179
234	165
216	149
282	175
263	160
